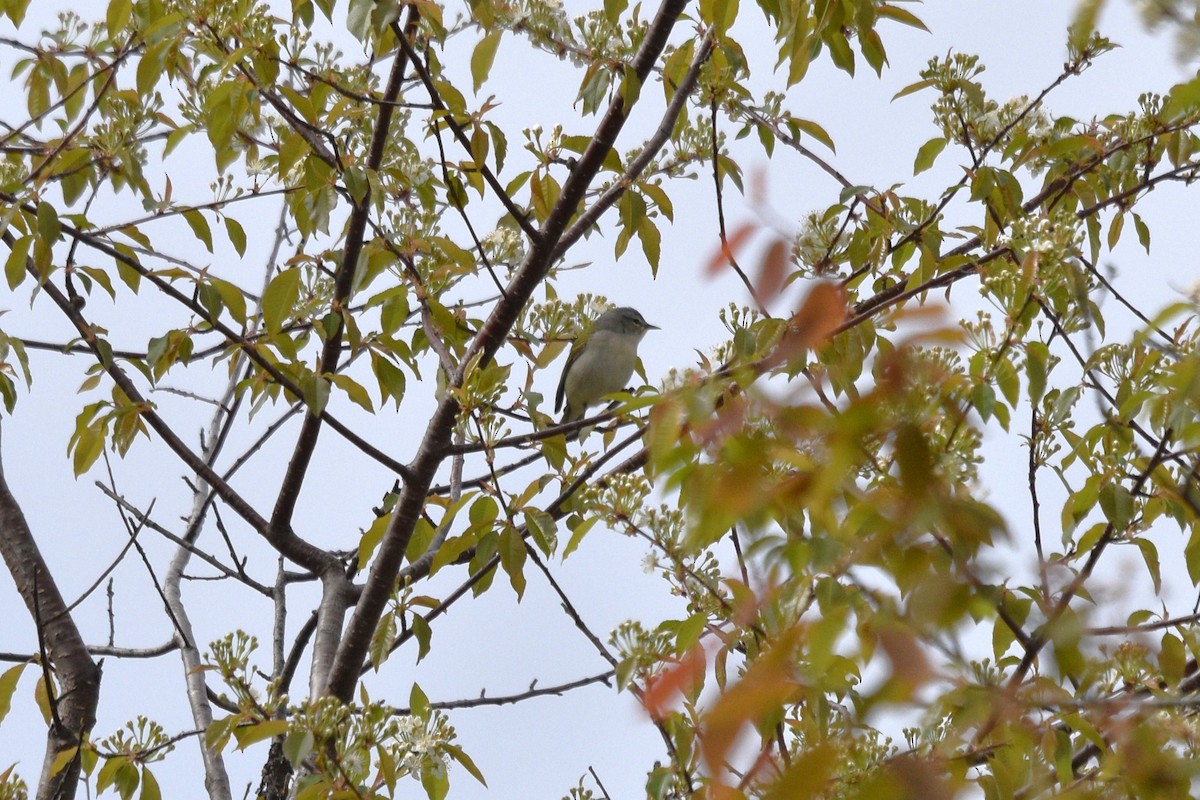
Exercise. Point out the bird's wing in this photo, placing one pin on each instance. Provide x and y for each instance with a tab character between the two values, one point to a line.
560	395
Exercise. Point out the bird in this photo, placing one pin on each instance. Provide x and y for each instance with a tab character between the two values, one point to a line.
601	361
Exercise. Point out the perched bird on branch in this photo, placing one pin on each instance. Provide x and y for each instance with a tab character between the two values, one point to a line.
601	361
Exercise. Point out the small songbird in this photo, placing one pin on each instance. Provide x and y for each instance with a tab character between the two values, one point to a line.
601	361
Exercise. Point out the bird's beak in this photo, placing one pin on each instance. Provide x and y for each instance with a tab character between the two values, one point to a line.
652	327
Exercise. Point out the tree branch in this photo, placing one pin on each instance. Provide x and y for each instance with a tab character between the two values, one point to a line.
390	555
78	677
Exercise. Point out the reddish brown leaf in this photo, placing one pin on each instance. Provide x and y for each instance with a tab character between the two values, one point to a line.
822	312
758	186
729	419
908	661
773	270
678	679
766	685
720	259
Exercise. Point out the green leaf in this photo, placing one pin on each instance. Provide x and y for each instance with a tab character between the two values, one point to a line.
280	298
219	732
1172	658
16	10
801	53
390	377
928	154
48	224
200	228
900	15
651	240
613	10
983	397
1091	537
1007	379
231	297
418	701
814	130
422	537
358	18
423	634
630	91
315	389
512	558
1037	357
661	200
357	184
578	530
1115	227
380	646
483	57
484	12
688	632
1183	98
435	778
150	67
1084	24
542	529
839	50
302	104
88	444
721	13
37	92
291	150
465	761
236	234
354	390
14	267
1191	554
450	551
371	539
8	685
297	746
247	735
1150	557
483	511
871	46
119	12
150	788
674	69
1143	231
912	88
109	772
99	276
1117	503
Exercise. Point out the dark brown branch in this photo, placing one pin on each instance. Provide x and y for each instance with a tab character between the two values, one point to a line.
508	699
555	510
306	441
725	248
1038	641
569	608
103	650
287	542
245	345
491	336
648	151
1145	627
517	214
77	676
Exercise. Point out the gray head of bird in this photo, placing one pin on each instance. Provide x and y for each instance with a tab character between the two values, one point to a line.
624	320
